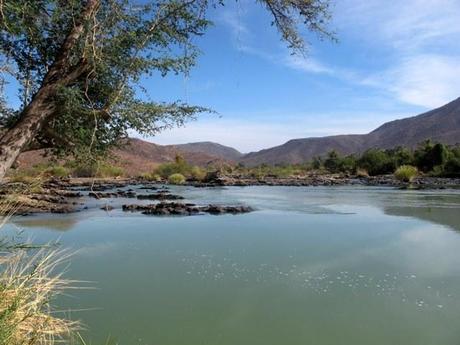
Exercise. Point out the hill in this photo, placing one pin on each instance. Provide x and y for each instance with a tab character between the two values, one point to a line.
210	149
135	156
440	125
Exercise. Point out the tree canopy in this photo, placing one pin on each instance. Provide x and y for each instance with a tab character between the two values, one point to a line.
80	63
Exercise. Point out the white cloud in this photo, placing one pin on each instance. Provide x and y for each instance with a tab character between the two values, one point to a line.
419	38
427	80
254	132
309	65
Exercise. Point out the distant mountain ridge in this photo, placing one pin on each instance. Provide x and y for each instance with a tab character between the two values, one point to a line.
137	156
211	149
440	125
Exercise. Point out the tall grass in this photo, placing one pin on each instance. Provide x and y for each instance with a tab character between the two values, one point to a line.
30	279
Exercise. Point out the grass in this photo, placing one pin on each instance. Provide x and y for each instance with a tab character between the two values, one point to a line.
176	179
27	285
406	173
30	279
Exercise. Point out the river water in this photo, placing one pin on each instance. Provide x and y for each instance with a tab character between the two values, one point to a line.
320	266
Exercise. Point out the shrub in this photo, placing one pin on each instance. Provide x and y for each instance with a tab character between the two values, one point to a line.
179	166
452	168
150	177
198	173
108	170
376	162
362	172
406	173
100	169
176	179
429	155
57	171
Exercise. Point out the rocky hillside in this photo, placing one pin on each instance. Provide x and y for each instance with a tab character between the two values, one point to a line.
211	149
441	125
137	156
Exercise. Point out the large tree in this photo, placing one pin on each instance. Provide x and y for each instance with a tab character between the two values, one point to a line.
79	65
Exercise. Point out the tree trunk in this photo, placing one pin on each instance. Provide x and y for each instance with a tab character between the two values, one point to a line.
20	136
42	106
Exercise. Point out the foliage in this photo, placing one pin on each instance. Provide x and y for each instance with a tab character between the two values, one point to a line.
176	179
197	173
57	171
179	166
98	95
406	173
376	162
334	163
150	177
103	169
433	158
429	155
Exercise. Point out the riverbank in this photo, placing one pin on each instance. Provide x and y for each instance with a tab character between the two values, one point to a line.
73	194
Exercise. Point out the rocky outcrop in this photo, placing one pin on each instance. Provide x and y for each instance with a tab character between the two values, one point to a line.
181	209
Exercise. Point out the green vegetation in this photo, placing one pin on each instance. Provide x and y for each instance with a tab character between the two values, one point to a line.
406	173
100	169
74	168
81	63
180	166
430	158
197	173
176	179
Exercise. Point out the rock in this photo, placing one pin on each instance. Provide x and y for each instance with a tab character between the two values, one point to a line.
160	196
172	208
108	195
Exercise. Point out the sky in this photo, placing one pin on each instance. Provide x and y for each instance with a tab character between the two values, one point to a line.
393	59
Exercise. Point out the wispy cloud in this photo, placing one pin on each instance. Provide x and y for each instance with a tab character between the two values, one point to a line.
426	80
418	40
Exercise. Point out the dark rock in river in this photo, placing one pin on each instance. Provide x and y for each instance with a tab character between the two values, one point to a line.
117	194
172	208
159	196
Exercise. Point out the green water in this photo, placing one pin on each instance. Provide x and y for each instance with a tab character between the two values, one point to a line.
320	266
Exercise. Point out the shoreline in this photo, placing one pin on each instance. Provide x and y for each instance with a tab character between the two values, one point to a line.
71	195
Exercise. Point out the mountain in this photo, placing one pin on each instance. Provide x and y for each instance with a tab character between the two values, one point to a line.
135	156
211	149
440	125
138	156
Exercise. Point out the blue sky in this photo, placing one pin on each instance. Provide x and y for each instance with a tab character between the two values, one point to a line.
394	59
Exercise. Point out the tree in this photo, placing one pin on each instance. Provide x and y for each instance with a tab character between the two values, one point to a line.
429	155
79	64
376	162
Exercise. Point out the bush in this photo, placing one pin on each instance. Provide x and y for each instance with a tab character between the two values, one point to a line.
429	155
406	173
452	168
101	169
376	162
57	171
176	179
150	177
179	166
197	173
362	172
108	170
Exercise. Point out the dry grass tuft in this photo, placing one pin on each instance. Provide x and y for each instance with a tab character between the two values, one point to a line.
30	278
27	285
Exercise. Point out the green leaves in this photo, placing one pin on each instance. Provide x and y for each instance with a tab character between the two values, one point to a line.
117	43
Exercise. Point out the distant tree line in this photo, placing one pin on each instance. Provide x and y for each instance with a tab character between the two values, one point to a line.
429	157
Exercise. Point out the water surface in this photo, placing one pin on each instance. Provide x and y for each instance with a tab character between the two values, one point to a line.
322	266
